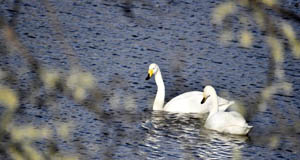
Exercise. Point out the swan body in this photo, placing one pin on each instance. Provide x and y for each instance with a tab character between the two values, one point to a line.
225	122
188	102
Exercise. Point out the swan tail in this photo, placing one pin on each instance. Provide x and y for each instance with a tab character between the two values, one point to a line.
224	107
231	103
248	128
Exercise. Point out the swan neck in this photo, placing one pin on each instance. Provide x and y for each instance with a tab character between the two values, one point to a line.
160	94
214	105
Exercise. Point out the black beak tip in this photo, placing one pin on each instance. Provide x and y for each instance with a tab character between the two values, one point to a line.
203	100
148	77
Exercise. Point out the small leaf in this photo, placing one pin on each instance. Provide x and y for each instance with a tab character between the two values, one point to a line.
276	49
79	83
29	133
291	36
63	129
296	49
33	153
16	155
223	10
8	97
269	2
50	78
81	79
288	31
259	19
79	94
246	39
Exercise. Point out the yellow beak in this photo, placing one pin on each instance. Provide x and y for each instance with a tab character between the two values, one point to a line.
150	73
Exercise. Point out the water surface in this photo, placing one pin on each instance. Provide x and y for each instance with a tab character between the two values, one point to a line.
117	47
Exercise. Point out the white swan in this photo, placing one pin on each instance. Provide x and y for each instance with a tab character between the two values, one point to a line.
225	122
188	102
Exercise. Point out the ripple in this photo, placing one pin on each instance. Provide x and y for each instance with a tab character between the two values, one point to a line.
118	50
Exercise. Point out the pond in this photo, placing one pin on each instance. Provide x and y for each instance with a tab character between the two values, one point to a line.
117	42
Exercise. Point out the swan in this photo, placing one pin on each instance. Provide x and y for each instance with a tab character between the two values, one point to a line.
225	122
188	102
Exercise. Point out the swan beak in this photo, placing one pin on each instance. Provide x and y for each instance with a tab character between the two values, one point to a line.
204	99
150	73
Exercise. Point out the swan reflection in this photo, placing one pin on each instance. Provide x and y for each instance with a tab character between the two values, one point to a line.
184	136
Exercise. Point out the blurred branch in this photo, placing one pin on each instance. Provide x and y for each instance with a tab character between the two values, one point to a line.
58	85
15	11
284	13
56	25
275	29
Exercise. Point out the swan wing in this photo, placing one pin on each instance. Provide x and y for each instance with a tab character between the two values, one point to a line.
224	103
190	102
187	95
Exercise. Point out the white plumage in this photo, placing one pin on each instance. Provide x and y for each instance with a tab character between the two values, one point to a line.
225	122
188	102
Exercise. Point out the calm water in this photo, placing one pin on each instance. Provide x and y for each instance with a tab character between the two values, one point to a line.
117	49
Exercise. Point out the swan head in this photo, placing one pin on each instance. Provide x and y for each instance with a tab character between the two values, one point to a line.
208	91
153	68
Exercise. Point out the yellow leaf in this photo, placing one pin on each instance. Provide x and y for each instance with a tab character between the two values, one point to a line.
269	2
223	10
259	18
244	2
15	154
8	97
50	78
79	94
33	153
79	83
296	49
291	36
276	49
288	31
80	79
63	129
29	132
246	39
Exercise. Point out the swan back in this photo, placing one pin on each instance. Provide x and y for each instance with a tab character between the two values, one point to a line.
189	102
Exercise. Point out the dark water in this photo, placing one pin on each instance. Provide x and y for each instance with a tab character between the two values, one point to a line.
117	47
